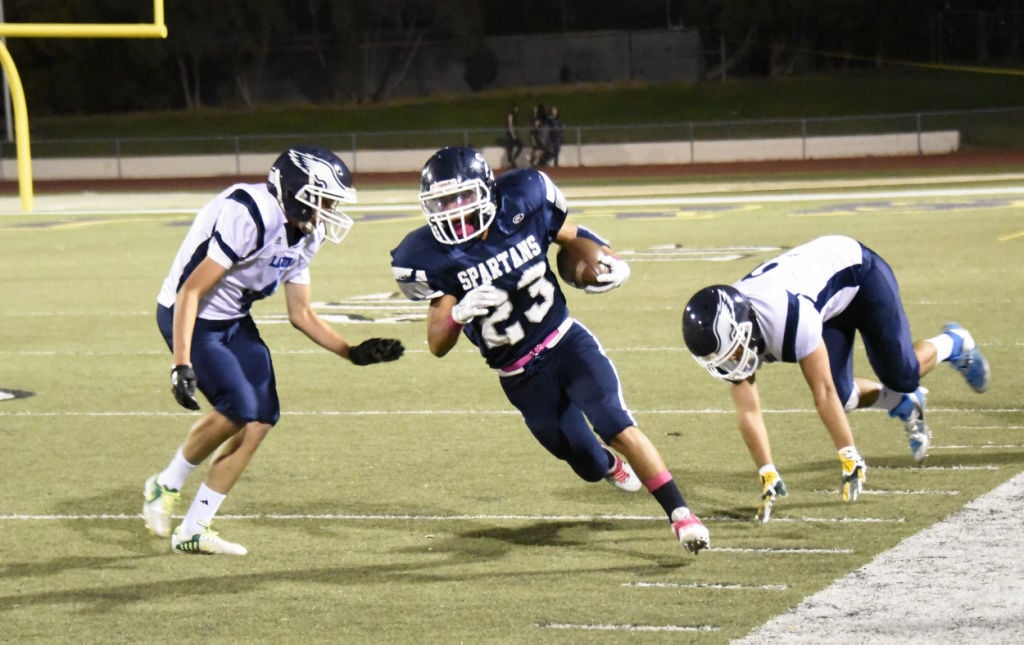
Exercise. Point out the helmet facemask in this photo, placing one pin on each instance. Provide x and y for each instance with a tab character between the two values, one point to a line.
324	207
737	357
458	211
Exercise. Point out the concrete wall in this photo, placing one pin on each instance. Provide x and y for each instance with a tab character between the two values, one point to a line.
779	149
620	154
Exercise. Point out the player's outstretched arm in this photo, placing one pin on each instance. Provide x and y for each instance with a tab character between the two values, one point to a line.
303	318
750	418
818	374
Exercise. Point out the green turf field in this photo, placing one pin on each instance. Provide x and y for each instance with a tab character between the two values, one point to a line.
406	502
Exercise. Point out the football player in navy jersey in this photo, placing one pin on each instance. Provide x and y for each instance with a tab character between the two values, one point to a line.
243	245
481	262
805	306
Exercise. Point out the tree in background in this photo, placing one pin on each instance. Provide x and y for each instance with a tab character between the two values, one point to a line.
86	75
254	52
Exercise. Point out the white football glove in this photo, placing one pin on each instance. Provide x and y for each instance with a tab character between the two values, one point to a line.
616	274
477	302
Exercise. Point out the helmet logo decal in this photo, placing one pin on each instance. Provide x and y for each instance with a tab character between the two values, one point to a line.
311	184
719	330
320	172
725	321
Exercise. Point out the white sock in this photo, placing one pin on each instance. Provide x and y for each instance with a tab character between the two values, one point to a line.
943	347
176	473
204	506
887	399
680	514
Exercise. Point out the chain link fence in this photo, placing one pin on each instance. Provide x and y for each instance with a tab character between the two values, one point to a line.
987	129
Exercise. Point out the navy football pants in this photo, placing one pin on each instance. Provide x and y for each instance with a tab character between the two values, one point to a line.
232	365
563	387
877	313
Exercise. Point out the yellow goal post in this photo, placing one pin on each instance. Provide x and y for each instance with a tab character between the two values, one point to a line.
156	29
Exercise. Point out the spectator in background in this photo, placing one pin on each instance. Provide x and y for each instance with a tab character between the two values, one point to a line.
513	146
539	131
556	133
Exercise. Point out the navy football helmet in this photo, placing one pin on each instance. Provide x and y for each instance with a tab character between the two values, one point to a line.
457	194
311	183
720	329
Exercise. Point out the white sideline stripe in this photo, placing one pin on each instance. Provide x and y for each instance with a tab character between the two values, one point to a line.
701	585
629	628
800	197
371	413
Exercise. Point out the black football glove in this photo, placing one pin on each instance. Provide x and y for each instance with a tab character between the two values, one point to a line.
183	385
376	350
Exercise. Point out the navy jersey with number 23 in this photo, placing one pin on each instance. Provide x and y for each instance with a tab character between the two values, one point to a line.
513	257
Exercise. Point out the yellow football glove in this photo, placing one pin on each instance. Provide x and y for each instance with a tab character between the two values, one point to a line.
854	473
772	486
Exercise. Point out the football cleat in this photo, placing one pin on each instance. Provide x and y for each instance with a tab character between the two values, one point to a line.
206	542
157	506
966	357
910	410
919	437
772	486
854	473
621	475
690	531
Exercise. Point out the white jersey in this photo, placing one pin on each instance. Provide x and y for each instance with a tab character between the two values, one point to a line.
243	230
795	293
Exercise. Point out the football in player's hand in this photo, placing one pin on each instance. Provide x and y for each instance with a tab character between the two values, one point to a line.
579	262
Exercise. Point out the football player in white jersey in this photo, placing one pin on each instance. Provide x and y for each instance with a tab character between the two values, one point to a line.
243	245
804	307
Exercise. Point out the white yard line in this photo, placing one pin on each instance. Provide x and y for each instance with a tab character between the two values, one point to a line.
682	194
